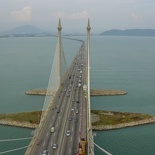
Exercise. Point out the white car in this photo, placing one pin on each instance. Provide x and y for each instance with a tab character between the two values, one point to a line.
55	146
68	133
45	152
52	129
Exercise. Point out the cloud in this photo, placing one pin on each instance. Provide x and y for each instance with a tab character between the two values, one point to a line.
135	16
79	15
23	14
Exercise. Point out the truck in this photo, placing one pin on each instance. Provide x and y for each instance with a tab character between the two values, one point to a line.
82	147
85	89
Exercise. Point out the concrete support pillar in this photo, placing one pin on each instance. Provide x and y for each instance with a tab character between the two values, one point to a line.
59	48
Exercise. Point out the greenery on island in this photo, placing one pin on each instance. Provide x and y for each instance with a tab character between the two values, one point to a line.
113	118
31	117
105	117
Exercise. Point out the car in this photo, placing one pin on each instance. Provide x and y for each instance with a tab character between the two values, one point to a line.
77	111
58	111
52	129
70	118
77	101
75	120
45	152
54	146
75	151
72	109
68	133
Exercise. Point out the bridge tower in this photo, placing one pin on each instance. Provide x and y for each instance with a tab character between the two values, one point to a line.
88	61
58	71
61	61
59	50
89	126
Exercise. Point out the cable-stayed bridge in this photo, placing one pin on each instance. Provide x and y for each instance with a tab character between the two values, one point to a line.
65	125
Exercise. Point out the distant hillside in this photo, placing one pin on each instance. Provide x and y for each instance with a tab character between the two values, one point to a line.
25	30
130	32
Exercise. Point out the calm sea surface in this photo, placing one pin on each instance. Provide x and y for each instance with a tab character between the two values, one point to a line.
121	63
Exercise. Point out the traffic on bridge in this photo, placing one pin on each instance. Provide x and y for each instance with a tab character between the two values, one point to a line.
64	128
66	122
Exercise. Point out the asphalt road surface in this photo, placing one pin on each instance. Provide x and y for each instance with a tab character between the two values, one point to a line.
67	116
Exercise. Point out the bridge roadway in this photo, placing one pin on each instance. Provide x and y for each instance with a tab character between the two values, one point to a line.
68	112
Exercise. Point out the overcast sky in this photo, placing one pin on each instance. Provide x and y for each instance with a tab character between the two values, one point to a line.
103	14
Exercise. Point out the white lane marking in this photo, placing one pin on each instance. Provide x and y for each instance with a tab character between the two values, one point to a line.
69	150
71	139
54	134
44	143
57	125
47	133
52	143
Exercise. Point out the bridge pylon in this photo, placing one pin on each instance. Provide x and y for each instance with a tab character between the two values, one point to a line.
59	70
90	150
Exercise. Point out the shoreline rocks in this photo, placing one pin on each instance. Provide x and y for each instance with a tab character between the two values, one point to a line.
17	124
123	125
107	92
92	92
36	92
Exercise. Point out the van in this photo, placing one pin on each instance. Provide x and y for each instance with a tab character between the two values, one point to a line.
52	129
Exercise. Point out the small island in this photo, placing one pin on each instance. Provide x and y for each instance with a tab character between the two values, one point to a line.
108	120
101	120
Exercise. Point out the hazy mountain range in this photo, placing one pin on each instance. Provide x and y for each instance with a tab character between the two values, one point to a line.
130	32
26	30
29	30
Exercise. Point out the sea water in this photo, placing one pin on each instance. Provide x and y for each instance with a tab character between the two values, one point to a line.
117	63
